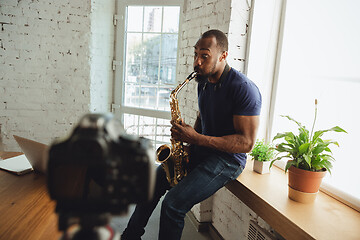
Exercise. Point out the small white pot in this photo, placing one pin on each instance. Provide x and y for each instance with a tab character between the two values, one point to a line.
261	167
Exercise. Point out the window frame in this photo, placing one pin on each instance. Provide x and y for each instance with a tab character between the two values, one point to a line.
267	75
118	108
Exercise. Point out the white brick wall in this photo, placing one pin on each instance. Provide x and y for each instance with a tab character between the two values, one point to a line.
238	29
231	217
203	211
44	68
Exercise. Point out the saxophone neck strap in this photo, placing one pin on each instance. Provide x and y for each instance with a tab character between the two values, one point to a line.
222	77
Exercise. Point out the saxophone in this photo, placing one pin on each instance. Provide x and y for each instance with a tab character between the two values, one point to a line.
173	159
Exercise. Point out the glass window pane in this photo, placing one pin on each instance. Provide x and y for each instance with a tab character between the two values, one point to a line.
148	96
132	94
150	68
133	56
150	60
131	123
135	13
171	19
152	19
168	58
150	57
163	98
147	127
155	129
163	132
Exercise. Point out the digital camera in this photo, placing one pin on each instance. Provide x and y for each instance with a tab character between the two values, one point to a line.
99	169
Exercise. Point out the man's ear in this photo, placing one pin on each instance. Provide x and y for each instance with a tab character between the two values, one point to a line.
223	56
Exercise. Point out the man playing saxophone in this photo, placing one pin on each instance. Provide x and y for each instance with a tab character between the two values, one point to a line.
225	130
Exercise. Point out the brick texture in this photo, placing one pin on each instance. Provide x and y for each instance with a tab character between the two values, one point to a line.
47	68
44	60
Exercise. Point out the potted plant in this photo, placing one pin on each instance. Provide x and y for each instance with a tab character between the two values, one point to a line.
262	153
310	159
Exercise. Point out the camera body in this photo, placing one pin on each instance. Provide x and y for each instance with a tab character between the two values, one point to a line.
99	169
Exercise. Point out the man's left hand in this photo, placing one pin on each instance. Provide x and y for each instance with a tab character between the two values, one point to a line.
183	132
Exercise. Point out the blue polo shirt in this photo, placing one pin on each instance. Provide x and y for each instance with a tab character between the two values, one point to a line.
234	94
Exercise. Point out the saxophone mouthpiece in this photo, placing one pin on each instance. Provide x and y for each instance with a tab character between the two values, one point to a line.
192	75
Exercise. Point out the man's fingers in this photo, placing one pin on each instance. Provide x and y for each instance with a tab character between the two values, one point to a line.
180	122
174	129
175	135
177	126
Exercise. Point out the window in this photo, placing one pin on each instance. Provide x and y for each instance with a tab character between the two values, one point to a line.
316	57
148	47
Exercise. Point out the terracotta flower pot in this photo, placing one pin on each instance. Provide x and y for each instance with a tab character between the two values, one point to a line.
305	181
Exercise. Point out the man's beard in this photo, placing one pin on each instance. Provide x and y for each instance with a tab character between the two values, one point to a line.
200	78
204	77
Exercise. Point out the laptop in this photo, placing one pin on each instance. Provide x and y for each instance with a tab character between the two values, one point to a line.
35	152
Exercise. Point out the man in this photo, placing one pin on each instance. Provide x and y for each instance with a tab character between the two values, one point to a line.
226	127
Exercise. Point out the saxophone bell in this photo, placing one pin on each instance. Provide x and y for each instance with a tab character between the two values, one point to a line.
164	156
163	153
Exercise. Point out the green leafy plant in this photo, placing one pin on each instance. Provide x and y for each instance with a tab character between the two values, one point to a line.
306	151
262	151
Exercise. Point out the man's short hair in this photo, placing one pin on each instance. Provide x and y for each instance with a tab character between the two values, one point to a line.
221	39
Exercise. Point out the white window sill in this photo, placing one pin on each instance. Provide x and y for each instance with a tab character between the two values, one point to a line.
267	195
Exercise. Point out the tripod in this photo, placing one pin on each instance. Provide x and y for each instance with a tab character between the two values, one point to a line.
87	227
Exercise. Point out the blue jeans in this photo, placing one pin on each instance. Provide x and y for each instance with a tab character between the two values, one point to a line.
211	174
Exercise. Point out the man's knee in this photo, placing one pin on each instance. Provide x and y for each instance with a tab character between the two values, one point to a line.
172	209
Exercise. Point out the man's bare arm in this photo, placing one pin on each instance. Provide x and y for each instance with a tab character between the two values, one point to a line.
242	141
